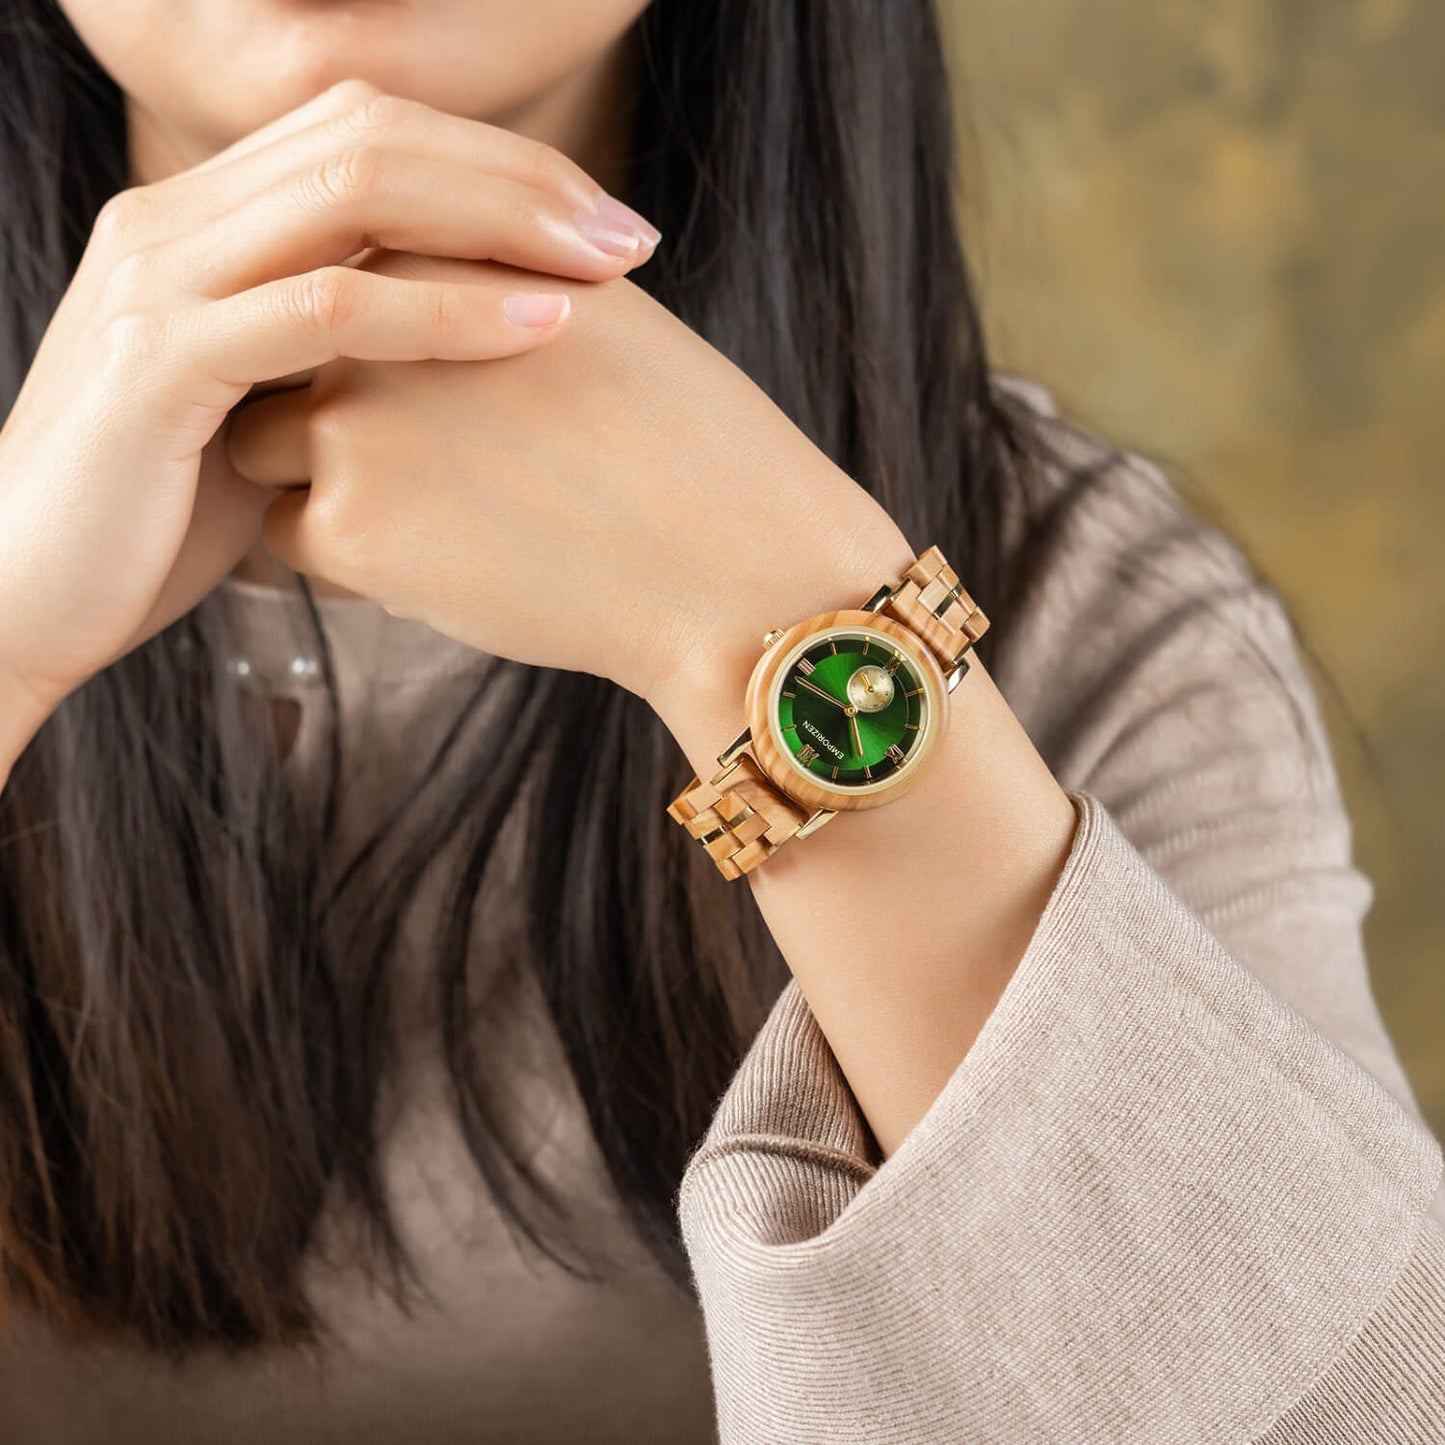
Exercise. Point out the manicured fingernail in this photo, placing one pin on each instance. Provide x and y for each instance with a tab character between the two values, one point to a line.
615	210
608	236
536	308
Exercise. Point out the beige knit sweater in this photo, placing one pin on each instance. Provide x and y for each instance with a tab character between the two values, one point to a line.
1178	1191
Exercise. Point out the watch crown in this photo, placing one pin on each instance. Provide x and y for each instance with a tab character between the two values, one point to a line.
771	637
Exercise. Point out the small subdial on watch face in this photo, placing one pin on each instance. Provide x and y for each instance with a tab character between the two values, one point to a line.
852	709
870	688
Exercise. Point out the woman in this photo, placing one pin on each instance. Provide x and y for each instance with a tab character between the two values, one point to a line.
392	517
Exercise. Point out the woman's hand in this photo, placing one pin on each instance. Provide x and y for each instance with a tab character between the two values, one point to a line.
116	516
626	502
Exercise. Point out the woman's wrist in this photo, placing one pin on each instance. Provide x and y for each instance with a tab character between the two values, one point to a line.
700	685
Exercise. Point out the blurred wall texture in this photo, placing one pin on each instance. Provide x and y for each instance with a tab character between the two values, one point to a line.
1216	232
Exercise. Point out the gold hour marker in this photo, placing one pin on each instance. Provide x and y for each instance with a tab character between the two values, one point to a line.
914	726
806	753
867	771
834	646
893	662
897	754
786	693
805	666
912	692
790	727
835	770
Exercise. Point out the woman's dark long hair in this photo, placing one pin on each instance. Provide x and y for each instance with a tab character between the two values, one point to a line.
193	1000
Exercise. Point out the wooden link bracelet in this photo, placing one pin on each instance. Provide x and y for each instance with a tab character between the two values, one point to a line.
741	817
931	600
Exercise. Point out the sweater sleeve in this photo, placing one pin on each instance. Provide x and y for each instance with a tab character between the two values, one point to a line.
1178	1189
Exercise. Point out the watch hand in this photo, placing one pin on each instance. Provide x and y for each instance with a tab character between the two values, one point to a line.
857	740
837	701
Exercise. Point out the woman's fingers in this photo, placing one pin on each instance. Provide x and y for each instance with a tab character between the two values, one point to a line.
369	196
337	156
354	112
299	322
266	439
141	217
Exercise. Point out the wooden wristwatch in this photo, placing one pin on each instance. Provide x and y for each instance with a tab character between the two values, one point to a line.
841	711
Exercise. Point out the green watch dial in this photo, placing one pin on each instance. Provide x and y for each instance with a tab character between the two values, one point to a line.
852	709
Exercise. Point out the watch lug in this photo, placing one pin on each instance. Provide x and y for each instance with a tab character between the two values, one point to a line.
736	748
815	822
954	675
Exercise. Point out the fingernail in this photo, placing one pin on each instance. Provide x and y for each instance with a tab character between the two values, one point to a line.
536	308
608	236
611	207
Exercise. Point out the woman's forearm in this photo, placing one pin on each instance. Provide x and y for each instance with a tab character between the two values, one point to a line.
903	924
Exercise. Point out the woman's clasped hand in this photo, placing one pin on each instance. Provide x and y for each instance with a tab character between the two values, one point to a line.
398	347
118	511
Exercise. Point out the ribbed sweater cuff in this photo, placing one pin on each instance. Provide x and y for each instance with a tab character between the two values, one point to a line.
1151	1203
1389	1385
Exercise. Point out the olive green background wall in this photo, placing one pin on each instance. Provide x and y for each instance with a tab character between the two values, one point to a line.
1216	231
